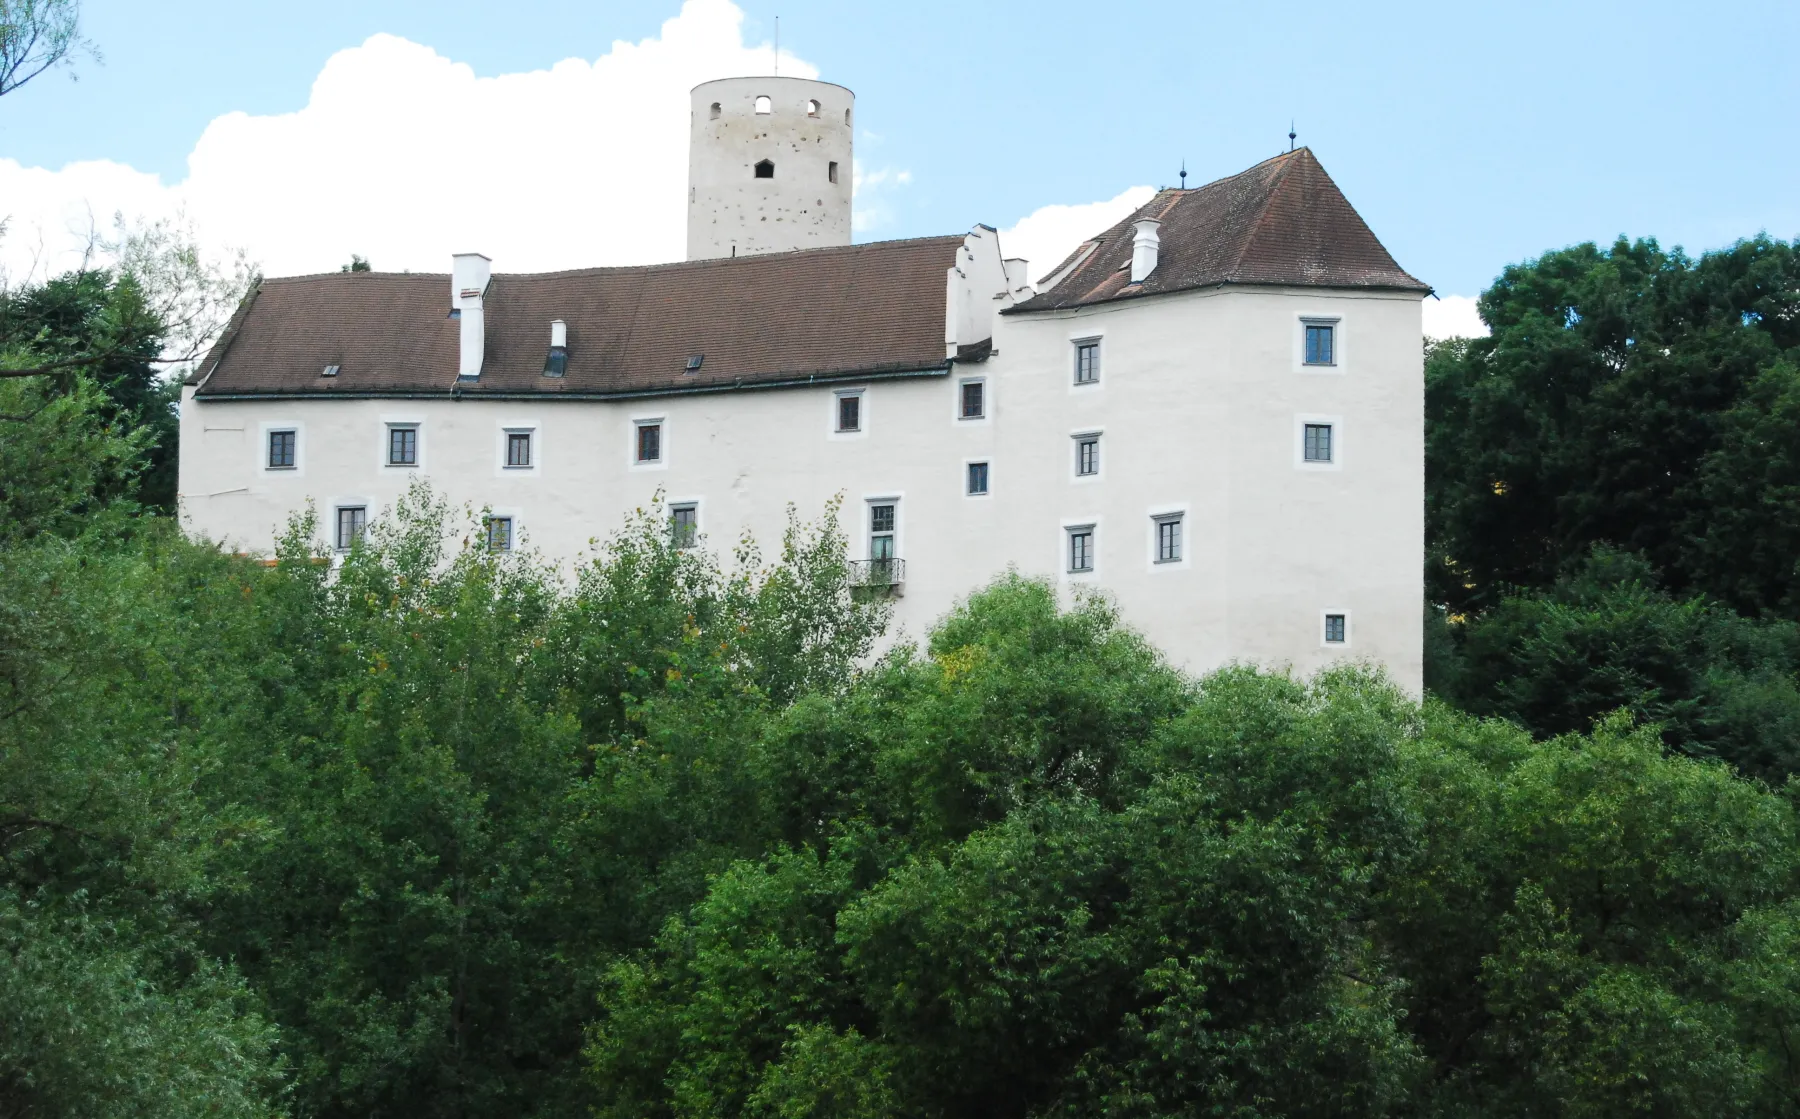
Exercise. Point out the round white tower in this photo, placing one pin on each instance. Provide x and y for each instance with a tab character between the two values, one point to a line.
768	166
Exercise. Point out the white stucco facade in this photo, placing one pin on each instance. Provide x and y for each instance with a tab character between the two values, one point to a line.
1199	407
769	166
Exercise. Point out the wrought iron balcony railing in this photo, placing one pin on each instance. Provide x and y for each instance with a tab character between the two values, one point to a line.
877	572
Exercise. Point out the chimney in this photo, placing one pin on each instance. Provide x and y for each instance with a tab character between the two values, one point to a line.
1018	269
468	288
1144	246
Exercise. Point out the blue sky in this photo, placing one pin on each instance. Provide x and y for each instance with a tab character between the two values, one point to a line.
1467	138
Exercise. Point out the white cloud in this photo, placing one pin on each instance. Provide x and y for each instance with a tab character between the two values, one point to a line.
1453	316
1050	233
405	156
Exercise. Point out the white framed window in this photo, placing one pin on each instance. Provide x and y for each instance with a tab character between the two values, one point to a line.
971	399
649	442
1334	628
499	533
847	411
975	478
282	447
684	524
1080	548
884	529
1319	442
1086	445
351	522
402	445
1319	343
1087	360
1169	543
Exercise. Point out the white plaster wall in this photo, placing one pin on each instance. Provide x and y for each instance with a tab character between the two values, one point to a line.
1198	403
730	210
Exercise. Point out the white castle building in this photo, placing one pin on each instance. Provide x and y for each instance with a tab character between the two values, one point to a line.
1213	410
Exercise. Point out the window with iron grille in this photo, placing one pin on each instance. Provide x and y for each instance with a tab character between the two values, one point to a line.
1087	455
352	520
849	411
1168	538
649	442
500	534
403	446
518	449
1087	361
282	445
684	525
974	400
978	479
1318	443
1336	628
1321	338
1081	549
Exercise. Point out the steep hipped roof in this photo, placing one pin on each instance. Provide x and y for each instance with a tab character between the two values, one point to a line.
857	310
1282	222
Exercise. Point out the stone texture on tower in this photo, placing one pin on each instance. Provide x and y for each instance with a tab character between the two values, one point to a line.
769	166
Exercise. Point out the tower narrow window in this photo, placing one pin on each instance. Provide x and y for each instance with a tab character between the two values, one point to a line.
831	171
812	108
764	106
714	111
765	169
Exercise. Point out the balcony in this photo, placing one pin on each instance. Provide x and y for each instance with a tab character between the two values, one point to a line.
877	576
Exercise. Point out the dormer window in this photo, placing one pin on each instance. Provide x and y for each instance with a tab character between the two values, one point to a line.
765	169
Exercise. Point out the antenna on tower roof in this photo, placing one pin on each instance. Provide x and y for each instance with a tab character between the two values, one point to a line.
1184	173
778	46
1291	134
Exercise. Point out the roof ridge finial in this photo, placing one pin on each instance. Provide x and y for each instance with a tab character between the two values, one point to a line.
1183	172
778	46
1291	134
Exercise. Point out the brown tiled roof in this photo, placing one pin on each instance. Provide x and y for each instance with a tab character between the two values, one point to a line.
858	310
1282	222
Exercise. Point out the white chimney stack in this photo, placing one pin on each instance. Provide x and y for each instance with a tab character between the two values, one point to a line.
1144	246
468	288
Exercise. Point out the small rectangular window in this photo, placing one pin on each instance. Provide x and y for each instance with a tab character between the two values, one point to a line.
831	171
1087	456
684	525
1336	628
403	446
1087	361
282	445
649	442
1318	443
974	400
978	479
1168	538
1081	549
518	450
849	411
352	520
1320	339
500	534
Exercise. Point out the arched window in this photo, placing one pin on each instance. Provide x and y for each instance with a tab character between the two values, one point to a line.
812	108
846	116
715	110
765	169
764	106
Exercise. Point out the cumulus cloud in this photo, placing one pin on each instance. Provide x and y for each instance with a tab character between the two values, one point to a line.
405	156
1453	316
1047	235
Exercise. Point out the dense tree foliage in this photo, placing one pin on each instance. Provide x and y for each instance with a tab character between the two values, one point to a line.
1630	397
